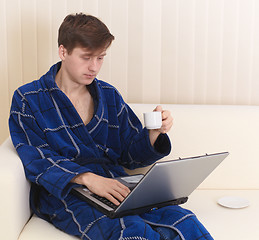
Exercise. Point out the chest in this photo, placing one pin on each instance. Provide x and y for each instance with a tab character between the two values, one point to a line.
84	106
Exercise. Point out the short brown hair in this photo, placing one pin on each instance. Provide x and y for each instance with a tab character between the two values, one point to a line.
80	30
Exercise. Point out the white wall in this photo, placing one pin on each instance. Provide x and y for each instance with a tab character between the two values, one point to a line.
166	51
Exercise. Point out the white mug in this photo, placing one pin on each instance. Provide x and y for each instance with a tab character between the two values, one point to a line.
153	120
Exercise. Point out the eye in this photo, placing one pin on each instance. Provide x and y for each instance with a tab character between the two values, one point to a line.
85	57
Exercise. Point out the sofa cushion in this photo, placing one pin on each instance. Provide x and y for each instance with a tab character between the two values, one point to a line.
197	129
39	229
223	223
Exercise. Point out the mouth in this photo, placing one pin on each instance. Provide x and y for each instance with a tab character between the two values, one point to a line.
89	75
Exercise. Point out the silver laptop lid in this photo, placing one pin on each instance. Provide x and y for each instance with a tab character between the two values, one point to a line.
170	180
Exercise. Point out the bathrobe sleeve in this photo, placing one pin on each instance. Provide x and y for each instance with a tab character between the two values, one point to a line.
42	165
137	149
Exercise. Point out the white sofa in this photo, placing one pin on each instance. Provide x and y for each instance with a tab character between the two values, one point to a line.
198	129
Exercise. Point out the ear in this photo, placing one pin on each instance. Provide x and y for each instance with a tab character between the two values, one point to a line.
62	51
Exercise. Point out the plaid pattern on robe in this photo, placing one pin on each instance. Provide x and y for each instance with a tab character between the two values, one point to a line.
55	145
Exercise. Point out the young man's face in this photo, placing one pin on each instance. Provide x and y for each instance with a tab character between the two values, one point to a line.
81	65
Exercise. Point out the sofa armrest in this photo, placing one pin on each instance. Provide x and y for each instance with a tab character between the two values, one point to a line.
14	206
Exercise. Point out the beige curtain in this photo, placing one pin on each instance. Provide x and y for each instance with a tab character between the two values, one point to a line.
166	51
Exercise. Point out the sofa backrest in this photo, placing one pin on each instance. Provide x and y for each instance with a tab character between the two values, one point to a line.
200	129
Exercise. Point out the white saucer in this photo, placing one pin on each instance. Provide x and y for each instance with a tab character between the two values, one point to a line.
233	202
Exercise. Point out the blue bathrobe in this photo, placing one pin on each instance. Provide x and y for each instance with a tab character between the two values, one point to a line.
55	146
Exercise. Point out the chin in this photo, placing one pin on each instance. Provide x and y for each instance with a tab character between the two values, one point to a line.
88	81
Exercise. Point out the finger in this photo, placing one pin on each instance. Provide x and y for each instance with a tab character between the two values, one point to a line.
167	120
123	187
118	196
118	192
122	190
166	125
111	199
166	114
166	129
158	109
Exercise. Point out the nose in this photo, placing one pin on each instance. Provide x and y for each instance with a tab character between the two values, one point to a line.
93	66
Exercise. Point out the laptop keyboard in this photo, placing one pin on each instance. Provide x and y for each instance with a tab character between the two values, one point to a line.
105	201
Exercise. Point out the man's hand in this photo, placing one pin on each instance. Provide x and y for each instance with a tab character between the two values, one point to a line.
109	188
167	123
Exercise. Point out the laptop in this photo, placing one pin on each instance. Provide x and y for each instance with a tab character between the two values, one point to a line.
166	183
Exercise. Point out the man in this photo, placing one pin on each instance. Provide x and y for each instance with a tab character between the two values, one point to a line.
70	129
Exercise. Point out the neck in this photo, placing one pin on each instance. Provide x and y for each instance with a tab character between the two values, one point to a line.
69	87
